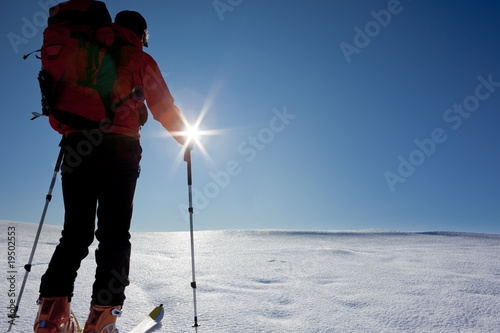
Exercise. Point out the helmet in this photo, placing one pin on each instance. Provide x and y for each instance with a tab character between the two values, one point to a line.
135	22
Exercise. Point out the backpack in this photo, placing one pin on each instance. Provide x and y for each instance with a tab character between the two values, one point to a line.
78	66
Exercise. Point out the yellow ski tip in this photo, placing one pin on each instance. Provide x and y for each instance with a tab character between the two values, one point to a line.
157	313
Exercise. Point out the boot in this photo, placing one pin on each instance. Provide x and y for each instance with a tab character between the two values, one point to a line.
102	319
54	316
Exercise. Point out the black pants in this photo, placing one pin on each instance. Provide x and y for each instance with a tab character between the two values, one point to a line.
99	175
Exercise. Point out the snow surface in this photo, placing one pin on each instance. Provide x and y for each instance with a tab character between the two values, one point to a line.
289	281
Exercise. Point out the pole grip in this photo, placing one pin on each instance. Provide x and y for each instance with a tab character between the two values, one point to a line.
187	158
187	154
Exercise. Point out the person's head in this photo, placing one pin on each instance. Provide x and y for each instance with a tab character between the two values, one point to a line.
135	22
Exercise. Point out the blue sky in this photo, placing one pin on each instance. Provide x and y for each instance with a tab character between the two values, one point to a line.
332	115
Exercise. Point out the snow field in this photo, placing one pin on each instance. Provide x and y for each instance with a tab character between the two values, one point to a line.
291	281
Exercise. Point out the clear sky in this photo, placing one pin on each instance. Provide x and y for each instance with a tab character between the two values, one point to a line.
333	115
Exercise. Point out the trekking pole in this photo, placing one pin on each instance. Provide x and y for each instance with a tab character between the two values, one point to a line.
27	267
187	158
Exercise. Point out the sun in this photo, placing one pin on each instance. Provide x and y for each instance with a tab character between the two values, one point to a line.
193	135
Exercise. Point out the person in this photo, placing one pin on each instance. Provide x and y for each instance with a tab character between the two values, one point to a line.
99	174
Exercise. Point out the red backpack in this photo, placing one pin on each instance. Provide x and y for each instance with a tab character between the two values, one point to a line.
78	66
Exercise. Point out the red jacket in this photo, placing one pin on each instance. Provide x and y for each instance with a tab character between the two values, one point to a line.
136	68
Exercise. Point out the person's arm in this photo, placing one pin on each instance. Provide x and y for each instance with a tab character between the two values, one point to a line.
160	101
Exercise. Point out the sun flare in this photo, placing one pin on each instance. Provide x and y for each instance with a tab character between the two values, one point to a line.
195	137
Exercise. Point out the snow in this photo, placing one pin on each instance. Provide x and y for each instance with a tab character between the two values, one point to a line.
289	281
